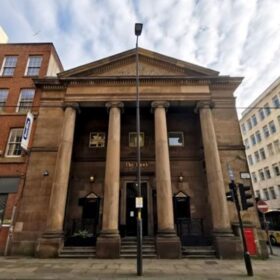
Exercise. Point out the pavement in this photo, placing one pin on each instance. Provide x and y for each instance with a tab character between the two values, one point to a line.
209	269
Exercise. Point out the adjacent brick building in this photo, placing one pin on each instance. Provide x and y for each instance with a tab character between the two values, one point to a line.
19	63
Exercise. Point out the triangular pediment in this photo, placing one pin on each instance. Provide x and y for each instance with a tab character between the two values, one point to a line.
150	64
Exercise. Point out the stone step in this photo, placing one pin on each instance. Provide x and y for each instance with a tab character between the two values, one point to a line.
78	256
198	252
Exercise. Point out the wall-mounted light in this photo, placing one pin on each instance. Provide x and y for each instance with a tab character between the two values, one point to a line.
46	173
92	179
181	178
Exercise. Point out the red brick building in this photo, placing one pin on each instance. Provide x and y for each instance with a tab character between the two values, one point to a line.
19	63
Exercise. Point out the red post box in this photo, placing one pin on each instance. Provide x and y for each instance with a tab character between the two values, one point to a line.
250	241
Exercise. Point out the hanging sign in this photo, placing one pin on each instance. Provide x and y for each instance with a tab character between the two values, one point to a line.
27	131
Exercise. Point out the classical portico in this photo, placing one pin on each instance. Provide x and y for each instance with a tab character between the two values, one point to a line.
91	157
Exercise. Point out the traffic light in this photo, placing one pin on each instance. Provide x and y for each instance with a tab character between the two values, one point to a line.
246	195
230	194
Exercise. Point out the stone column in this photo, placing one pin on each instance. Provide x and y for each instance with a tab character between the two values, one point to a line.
168	244
226	244
51	240
108	244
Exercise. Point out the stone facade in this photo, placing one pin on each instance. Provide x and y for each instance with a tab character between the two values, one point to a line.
83	139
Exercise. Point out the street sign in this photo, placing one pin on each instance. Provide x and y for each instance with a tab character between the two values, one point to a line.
262	206
245	175
139	202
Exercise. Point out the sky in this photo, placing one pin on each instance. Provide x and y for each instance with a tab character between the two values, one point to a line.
234	37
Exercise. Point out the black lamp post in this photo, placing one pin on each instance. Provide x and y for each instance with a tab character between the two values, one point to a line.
138	30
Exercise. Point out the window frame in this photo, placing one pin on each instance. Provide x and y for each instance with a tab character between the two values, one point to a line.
4	67
272	127
28	67
182	137
24	109
9	143
2	107
276	101
254	120
266	131
98	133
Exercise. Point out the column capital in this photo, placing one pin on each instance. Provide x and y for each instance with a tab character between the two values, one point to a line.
160	104
72	105
207	104
110	105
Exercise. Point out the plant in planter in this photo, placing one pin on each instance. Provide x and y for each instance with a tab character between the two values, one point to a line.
83	234
81	238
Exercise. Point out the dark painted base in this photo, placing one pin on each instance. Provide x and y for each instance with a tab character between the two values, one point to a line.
228	247
108	246
49	245
168	246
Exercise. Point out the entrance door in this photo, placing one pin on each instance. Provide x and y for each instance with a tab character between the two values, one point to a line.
131	211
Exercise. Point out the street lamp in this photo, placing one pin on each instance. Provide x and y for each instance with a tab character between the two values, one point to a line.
138	30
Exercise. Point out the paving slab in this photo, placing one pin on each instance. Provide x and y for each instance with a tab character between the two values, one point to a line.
64	269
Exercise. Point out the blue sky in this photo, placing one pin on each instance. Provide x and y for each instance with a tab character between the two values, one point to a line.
234	37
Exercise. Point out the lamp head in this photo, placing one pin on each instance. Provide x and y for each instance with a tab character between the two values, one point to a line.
138	29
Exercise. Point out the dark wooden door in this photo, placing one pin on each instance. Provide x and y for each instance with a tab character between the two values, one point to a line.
131	211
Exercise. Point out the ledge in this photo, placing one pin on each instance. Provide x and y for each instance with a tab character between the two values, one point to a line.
13	160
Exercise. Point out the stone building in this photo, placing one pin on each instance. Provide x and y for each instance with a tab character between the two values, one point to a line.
260	126
85	143
19	63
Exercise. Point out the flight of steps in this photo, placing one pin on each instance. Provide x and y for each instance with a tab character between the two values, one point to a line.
129	248
198	252
77	252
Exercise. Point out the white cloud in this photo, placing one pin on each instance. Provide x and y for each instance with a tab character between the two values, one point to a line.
235	37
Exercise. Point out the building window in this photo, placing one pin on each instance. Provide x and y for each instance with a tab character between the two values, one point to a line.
250	160
133	139
276	169
258	136
267	109
262	153
13	147
25	100
266	131
176	139
261	174
3	98
254	177
270	149
243	128
276	101
257	194
97	140
253	139
272	127
9	66
272	192
276	144
249	124
257	156
266	195
246	144
254	120
267	172
261	114
3	201
33	65
278	187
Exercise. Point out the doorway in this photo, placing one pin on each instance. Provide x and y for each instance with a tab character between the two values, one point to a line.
131	211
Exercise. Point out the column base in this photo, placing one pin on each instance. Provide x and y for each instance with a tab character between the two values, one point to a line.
168	245
49	244
108	245
227	245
